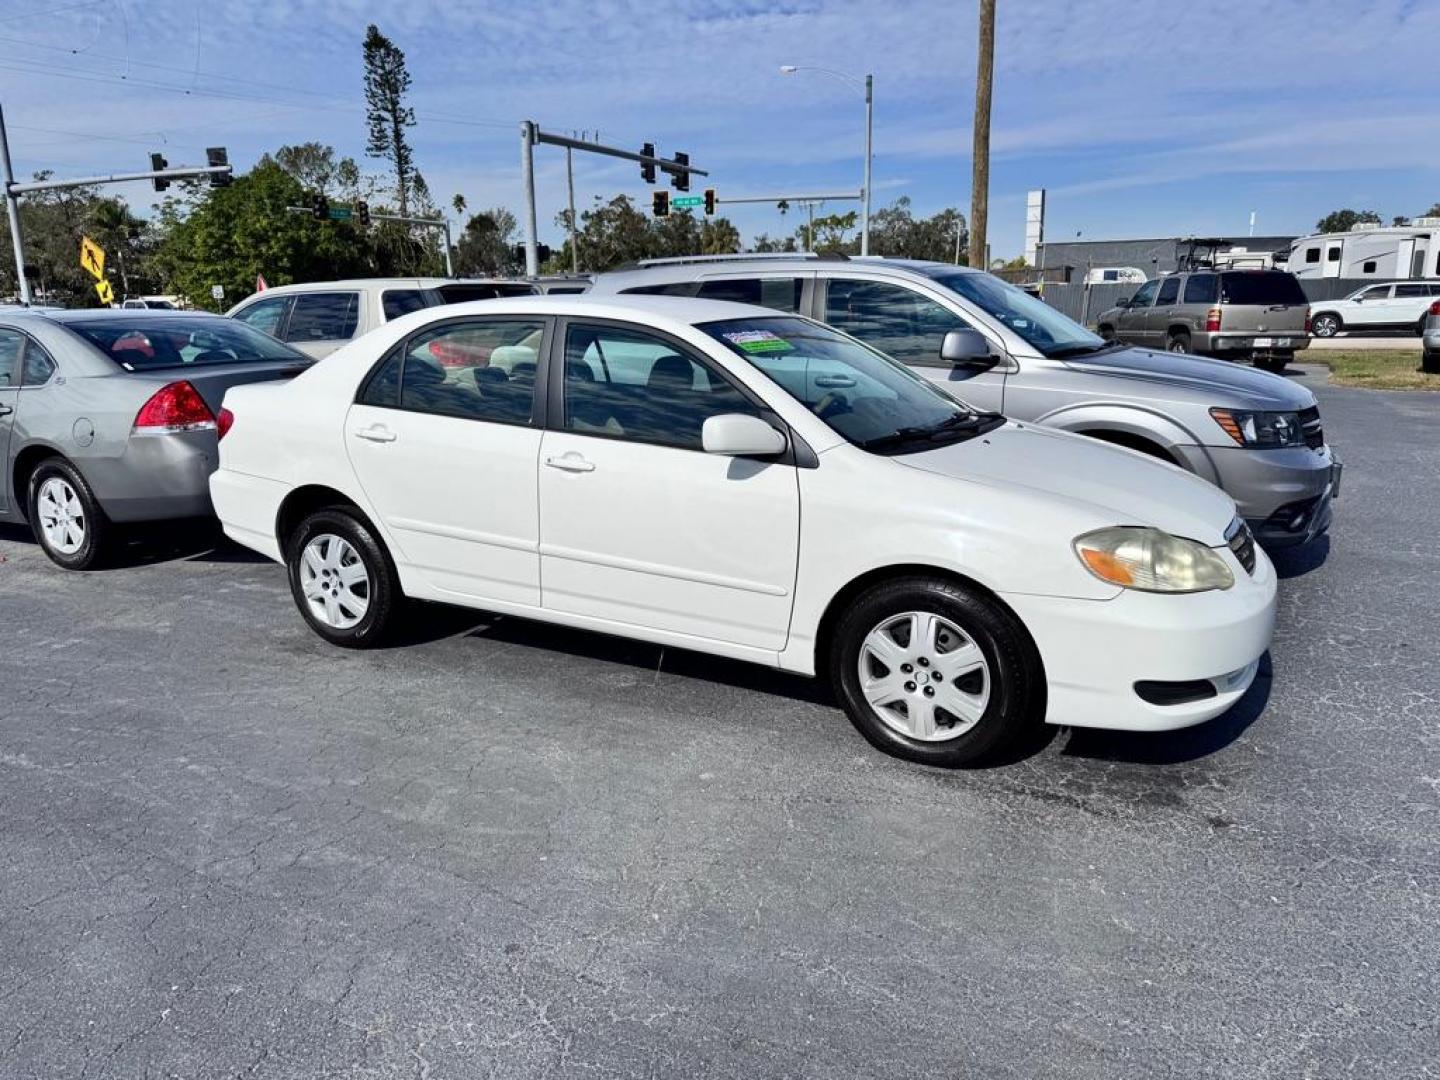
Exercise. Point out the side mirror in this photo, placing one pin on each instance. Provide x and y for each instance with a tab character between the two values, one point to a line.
968	348
738	435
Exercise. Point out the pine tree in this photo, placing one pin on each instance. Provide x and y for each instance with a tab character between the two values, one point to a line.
386	114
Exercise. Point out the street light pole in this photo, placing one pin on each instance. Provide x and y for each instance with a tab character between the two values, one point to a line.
869	84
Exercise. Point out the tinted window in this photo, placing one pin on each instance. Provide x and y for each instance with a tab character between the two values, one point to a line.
324	317
631	385
896	320
459	294
1145	294
866	397
138	343
265	315
397	302
1169	291
561	290
782	294
1411	290
1312	255
1260	287
478	369
11	342
1202	289
38	366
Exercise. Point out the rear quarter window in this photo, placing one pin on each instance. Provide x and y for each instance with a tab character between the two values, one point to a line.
1260	287
1202	289
324	317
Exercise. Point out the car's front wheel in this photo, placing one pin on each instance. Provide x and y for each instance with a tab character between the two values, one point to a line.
936	671
341	579
66	517
1325	325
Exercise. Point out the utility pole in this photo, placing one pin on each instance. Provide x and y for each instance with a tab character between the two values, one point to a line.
12	208
527	177
980	175
869	127
570	179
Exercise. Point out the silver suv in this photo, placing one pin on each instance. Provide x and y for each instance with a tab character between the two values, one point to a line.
1254	434
1256	315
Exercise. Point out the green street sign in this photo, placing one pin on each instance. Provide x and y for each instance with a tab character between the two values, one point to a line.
681	202
340	213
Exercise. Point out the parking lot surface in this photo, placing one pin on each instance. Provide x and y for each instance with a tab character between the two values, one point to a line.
502	849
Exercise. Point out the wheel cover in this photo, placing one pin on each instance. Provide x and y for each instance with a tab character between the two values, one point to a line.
62	516
1178	345
1323	326
334	581
924	677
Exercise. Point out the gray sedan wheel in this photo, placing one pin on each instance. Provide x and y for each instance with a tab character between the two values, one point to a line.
66	517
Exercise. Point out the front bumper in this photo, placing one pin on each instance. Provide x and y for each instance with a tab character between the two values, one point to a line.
1271	486
1095	652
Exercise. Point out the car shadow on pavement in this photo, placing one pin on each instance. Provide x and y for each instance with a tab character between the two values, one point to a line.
1174	747
151	544
1297	561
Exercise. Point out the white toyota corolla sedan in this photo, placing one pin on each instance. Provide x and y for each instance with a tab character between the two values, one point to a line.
756	485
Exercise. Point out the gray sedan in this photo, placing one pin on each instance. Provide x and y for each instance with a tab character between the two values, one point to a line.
109	417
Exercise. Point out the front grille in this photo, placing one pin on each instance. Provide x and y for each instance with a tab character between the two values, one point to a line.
1242	544
1310	424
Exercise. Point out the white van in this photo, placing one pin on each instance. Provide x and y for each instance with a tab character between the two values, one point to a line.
1115	275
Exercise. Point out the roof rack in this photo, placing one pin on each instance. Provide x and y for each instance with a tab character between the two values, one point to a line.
681	259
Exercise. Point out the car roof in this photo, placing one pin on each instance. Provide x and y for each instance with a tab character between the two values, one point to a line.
138	315
728	267
654	309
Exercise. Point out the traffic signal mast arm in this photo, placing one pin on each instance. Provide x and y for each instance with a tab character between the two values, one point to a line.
119	178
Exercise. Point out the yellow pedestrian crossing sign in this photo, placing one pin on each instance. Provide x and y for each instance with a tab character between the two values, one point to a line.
92	258
107	294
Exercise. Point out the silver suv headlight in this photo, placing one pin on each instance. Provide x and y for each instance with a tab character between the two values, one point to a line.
1149	560
1261	428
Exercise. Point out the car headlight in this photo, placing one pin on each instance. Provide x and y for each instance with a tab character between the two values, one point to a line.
1149	560
1261	428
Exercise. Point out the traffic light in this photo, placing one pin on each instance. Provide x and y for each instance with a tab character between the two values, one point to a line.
709	202
647	168
216	155
682	178
362	214
319	206
157	163
661	205
542	253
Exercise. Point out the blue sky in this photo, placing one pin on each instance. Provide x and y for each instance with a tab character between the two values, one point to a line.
1140	119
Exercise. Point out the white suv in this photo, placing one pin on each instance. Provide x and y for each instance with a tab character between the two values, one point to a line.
1399	305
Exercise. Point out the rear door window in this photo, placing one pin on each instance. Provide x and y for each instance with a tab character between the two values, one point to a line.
781	294
11	344
397	302
1202	289
1169	291
324	317
1267	287
37	366
1410	292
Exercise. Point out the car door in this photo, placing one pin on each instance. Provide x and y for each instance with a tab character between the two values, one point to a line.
1371	308
638	525
906	324
1409	305
320	322
1131	323
12	344
1162	314
445	447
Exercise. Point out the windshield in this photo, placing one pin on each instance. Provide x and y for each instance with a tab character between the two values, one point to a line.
1260	287
1051	333
866	397
139	344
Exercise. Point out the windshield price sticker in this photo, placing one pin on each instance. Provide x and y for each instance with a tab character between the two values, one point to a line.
758	341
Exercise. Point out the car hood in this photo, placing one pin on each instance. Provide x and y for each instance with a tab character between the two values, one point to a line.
1218	382
1124	486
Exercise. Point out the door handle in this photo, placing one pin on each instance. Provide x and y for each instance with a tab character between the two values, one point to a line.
5	410
834	382
571	462
377	433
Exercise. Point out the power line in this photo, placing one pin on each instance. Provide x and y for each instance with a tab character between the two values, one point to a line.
47	12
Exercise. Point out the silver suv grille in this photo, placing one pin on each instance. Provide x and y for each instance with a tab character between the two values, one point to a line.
1242	544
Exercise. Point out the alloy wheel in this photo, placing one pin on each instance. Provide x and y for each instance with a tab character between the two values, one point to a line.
62	516
334	581
924	677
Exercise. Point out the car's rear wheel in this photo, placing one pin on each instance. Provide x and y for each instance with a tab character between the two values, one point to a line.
341	579
1273	364
1179	341
935	671
1430	363
1325	325
66	517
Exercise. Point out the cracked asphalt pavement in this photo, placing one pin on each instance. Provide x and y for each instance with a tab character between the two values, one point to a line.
507	850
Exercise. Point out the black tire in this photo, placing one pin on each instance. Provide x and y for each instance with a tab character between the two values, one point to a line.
1106	332
58	475
1430	363
1276	365
1014	680
1325	325
1420	326
381	583
1178	341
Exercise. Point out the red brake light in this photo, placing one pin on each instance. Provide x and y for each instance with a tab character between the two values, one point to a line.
1212	320
1435	308
177	406
224	422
